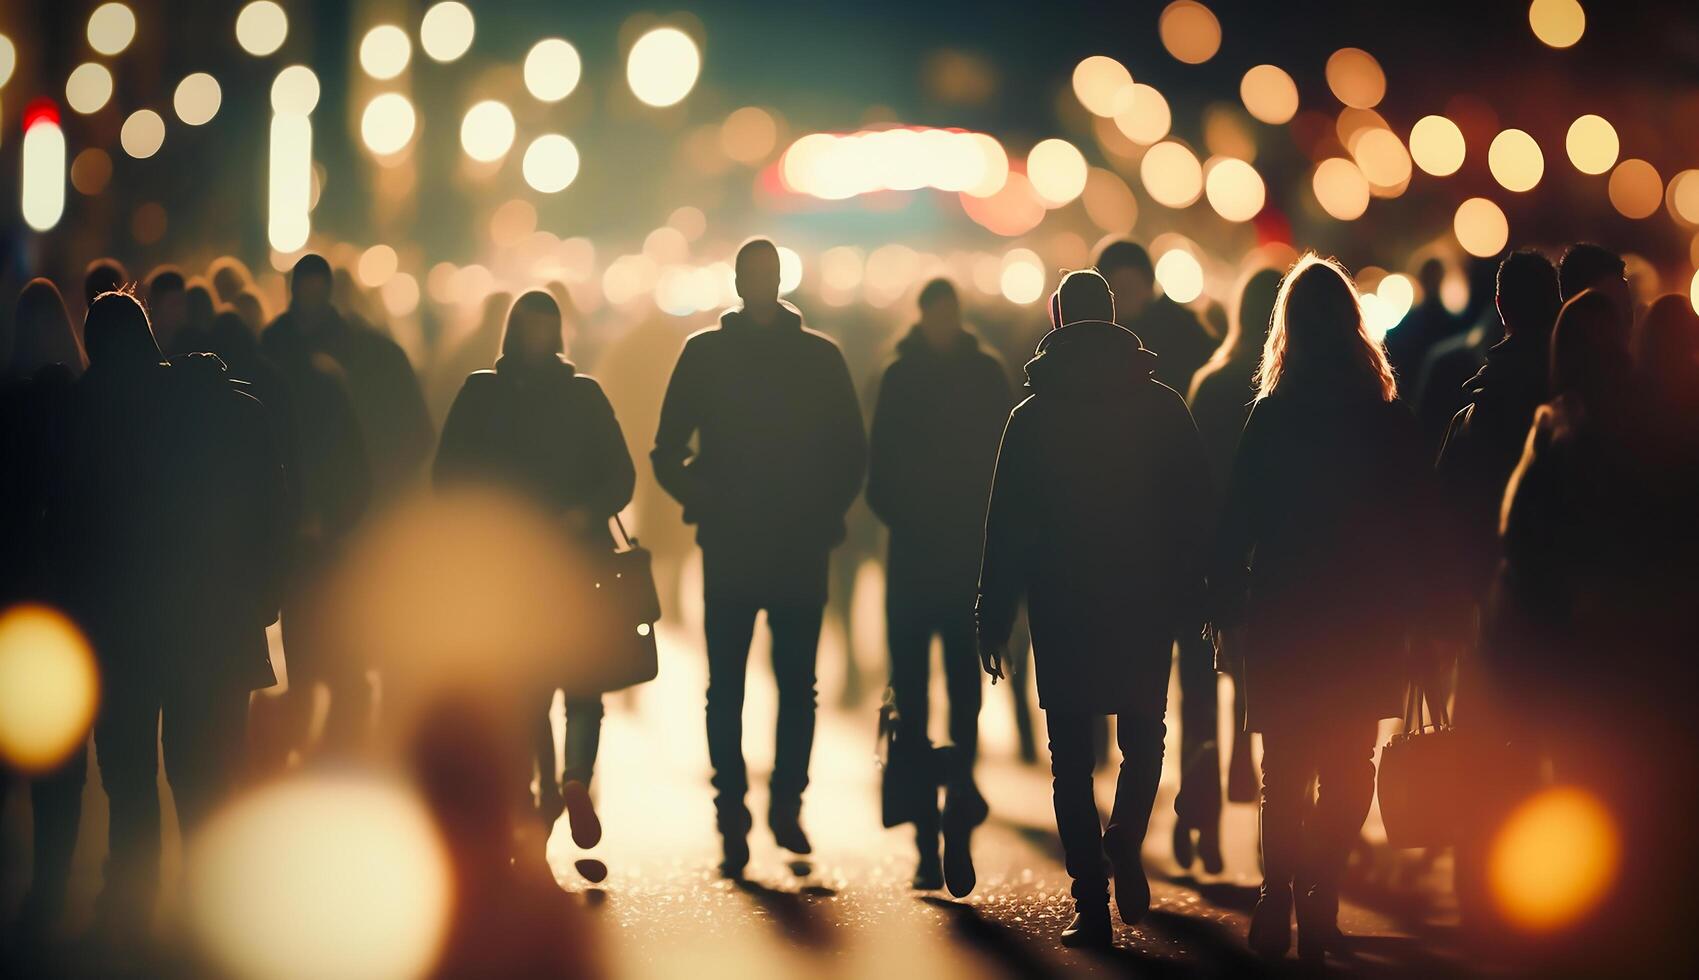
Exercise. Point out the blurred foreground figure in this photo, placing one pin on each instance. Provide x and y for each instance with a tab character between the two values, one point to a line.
936	421
1098	518
172	511
1317	559
537	427
780	457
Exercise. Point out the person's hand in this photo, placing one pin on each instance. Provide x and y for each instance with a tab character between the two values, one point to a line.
991	658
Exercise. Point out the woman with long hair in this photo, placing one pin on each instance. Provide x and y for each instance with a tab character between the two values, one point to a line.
537	427
1316	574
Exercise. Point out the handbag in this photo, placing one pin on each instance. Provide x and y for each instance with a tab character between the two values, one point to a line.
907	784
623	609
1419	783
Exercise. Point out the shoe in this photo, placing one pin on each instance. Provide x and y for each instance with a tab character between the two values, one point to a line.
581	814
1183	852
929	875
591	869
964	809
1132	890
1209	849
1318	923
1089	928
785	820
1271	922
736	857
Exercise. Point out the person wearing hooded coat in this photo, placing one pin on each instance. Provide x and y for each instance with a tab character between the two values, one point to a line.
537	427
1099	518
936	420
173	510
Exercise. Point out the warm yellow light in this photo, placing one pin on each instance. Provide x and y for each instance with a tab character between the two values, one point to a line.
1436	145
261	28
1682	196
385	51
290	182
8	59
1515	160
1397	293
1269	94
43	181
1636	190
142	134
1234	189
1356	78
111	28
376	265
1189	31
790	270
1557	23
358	882
1057	170
295	91
88	88
446	31
1109	202
400	294
1098	83
1171	175
1481	227
1693	290
663	67
552	69
1012	210
1381	156
386	126
1144	117
49	685
551	163
1340	188
486	133
1022	279
748	134
1553	860
1179	275
197	99
1592	144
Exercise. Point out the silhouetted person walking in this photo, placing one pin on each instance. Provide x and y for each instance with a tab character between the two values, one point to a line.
1098	518
780	457
937	419
1170	331
537	427
1429	324
1317	558
168	307
172	506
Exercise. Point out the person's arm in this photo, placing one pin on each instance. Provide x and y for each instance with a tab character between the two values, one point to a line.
1010	536
885	454
606	457
681	418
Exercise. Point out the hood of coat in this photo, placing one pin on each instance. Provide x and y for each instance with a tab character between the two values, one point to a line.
914	342
520	366
1089	359
787	318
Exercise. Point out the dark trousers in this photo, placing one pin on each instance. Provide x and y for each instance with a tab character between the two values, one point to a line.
56	805
1071	764
1306	842
203	734
581	741
910	625
730	626
1199	801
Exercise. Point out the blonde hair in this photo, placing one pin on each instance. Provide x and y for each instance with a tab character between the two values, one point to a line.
1318	326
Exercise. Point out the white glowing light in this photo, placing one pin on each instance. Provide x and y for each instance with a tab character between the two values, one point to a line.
111	28
663	67
197	99
446	32
1022	277
1057	170
386	126
385	51
551	163
142	134
486	133
88	88
8	59
261	28
291	181
295	91
1180	275
552	69
43	158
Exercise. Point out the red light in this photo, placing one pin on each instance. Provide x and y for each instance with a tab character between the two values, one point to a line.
41	110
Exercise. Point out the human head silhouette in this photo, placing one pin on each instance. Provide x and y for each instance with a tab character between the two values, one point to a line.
1431	276
1317	333
117	331
1126	266
757	271
1253	307
309	285
199	304
229	277
1589	358
1082	295
1669	349
533	329
1589	266
940	311
167	303
42	333
1527	295
103	276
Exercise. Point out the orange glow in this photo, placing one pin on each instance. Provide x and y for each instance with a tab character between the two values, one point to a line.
1356	78
1171	175
1144	116
49	688
1557	23
1057	170
1636	190
1341	189
1189	31
1436	145
1592	144
1234	189
1553	860
1515	160
1382	158
1098	83
1481	227
1269	94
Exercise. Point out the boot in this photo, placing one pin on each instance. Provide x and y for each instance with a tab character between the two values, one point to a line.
1209	849
784	817
1183	851
1271	922
1090	927
1318	923
581	814
929	874
1132	889
964	809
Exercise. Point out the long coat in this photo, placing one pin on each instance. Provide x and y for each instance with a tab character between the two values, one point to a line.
1319	554
1099	517
936	423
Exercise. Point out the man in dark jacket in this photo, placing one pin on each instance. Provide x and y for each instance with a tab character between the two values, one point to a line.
1170	331
780	457
939	413
173	512
1099	518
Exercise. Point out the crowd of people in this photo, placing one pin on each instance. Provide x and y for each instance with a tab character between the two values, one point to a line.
1263	501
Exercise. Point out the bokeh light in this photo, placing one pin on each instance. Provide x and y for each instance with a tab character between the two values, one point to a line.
1682	197
49	687
1099	84
551	163
387	124
1356	78
790	270
552	69
1189	31
91	171
261	28
88	88
1340	188
1515	160
197	99
1553	860
1481	227
1636	190
376	265
1179	275
289	182
1022	277
42	190
1269	94
1381	156
1144	117
385	51
1557	23
1234	189
8	59
142	134
663	66
1171	175
1057	170
357	882
1436	145
749	134
446	31
1109	202
486	132
1592	144
1012	210
295	91
111	28
1693	289
400	294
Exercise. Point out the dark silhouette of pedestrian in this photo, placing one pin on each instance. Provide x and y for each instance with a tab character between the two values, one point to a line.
1587	266
1429	324
1173	333
537	427
1667	350
103	275
1442	384
937	419
168	306
1317	558
171	505
1098	518
780	457
199	308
